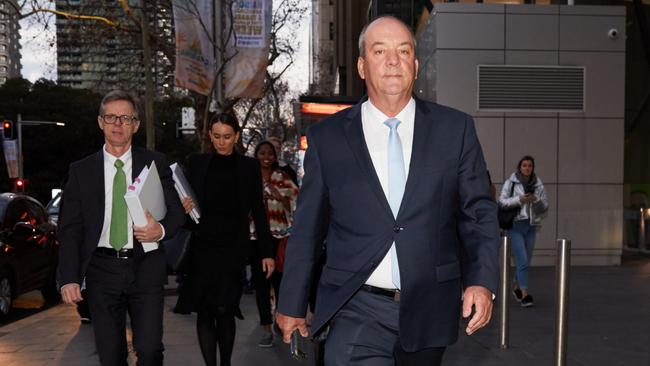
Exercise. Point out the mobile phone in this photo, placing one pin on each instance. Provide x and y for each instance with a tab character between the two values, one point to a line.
295	346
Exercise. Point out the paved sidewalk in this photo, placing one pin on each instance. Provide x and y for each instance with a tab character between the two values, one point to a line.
609	323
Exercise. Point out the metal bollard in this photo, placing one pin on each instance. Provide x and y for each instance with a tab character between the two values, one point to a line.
504	292
642	243
562	267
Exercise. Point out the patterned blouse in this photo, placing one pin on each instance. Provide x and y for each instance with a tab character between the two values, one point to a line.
280	217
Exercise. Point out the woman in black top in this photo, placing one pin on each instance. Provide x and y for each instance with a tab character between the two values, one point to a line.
228	188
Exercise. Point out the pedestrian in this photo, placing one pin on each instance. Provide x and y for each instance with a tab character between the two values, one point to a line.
280	194
525	190
100	242
403	255
277	144
228	187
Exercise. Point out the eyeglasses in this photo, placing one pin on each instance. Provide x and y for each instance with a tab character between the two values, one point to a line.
124	119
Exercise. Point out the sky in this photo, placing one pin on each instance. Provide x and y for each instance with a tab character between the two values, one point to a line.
39	51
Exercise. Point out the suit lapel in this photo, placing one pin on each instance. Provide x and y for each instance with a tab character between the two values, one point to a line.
357	141
421	141
97	182
138	162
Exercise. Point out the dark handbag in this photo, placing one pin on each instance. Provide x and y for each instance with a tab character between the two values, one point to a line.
507	215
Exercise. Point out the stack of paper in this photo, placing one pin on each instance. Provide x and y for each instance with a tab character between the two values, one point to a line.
185	190
146	194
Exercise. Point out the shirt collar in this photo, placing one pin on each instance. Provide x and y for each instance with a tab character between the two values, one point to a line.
109	158
406	115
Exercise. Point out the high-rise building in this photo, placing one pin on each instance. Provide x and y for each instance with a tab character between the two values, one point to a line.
96	56
9	41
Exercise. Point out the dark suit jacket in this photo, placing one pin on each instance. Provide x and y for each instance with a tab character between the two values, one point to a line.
446	231
82	216
250	199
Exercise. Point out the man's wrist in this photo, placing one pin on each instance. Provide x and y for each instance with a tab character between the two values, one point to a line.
69	284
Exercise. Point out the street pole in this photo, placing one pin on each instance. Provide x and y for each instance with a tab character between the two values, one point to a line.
19	135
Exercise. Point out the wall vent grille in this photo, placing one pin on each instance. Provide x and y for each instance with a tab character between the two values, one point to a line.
531	88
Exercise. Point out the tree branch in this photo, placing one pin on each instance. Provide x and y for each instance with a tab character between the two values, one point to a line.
70	16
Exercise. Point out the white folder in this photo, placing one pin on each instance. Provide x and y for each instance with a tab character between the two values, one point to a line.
146	193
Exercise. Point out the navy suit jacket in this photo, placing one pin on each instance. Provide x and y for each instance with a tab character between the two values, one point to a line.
82	217
446	230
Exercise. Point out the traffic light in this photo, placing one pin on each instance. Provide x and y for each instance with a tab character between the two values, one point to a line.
8	130
19	185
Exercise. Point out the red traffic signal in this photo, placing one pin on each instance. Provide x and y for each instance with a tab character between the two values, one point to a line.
19	185
8	130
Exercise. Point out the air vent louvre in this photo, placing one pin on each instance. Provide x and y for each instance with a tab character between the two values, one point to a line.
531	88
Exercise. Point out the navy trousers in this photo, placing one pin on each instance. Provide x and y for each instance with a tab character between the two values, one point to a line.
365	332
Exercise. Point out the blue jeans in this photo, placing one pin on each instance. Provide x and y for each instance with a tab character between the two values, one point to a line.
522	236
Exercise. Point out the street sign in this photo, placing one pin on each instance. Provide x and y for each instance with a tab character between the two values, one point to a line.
10	148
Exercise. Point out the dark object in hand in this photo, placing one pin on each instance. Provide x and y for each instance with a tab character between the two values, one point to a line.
529	189
294	347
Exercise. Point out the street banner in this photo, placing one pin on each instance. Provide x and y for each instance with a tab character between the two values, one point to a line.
10	148
195	62
247	52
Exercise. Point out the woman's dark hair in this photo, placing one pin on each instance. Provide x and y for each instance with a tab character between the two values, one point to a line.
265	142
269	144
227	118
526	158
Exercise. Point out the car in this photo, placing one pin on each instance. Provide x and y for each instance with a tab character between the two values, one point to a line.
52	208
29	251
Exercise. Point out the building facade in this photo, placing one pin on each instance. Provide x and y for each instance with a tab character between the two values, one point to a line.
93	55
9	41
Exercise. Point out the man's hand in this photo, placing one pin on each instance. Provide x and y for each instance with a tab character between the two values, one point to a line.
288	324
481	299
71	293
268	266
150	232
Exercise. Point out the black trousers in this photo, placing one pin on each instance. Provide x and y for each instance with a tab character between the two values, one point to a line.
262	287
113	291
365	332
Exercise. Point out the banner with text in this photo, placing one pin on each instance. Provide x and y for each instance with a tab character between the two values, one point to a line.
248	49
195	62
10	148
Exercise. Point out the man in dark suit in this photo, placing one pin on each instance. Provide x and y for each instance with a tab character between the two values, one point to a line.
408	245
101	246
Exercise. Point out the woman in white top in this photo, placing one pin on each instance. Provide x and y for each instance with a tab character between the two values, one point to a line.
524	189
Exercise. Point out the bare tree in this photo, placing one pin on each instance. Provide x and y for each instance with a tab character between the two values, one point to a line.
116	31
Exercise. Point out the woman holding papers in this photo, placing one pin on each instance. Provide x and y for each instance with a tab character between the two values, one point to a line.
228	188
280	194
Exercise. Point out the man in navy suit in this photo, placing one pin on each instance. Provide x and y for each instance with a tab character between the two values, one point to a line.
409	245
101	246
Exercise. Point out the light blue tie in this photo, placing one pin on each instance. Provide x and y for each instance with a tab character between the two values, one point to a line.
396	183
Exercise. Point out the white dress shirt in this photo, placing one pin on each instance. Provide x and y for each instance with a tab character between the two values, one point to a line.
109	175
376	137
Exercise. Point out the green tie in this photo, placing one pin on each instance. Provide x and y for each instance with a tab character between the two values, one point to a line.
119	226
